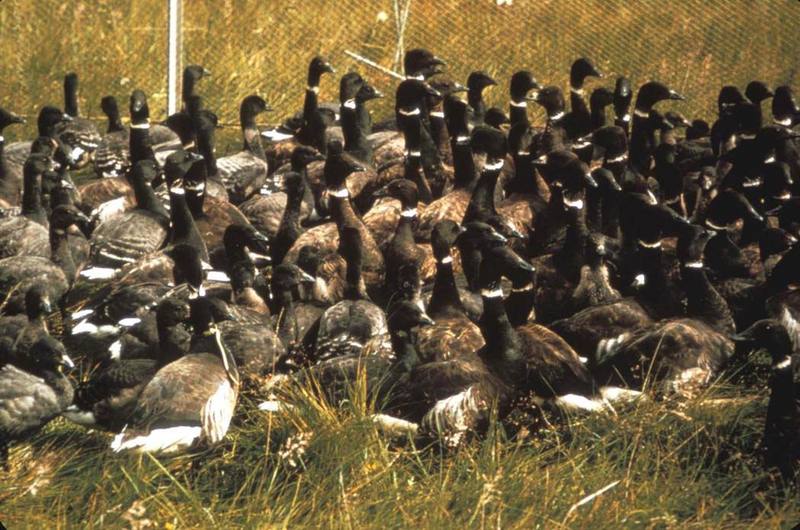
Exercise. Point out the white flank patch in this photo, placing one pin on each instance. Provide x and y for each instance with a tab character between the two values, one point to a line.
108	209
446	260
452	417
612	345
206	266
81	417
410	213
217	413
578	402
785	363
557	116
614	394
395	427
437	114
519	104
165	441
77	315
492	293
218	276
577	204
694	265
461	140
99	273
129	322
340	194
620	158
111	255
276	136
115	350
791	325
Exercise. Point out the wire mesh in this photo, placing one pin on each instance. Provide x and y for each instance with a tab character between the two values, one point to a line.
257	46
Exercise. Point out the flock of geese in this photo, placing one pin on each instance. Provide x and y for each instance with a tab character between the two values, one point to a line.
463	259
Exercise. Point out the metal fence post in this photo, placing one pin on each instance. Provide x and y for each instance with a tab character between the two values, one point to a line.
174	53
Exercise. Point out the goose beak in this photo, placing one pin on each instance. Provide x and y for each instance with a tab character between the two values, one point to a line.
17	119
66	362
306	277
66	117
425	320
674	95
206	71
589	180
47	306
458	87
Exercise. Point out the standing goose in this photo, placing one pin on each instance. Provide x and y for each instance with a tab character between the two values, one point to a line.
453	334
57	272
80	134
245	172
477	82
21	331
338	166
521	87
579	120
642	142
346	327
781	441
33	391
109	196
304	127
189	402
48	123
9	186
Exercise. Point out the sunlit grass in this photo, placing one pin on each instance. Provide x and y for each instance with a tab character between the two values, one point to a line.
667	463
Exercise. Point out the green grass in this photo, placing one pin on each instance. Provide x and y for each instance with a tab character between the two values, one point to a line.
691	463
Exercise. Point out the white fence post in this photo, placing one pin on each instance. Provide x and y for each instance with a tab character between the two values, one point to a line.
173	54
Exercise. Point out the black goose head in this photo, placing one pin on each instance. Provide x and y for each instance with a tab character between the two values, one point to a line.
522	83
613	141
188	267
581	69
303	155
202	315
171	311
192	74
138	108
748	117
623	94
445	86
596	250
71	94
728	207
181	124
478	81
178	164
349	86
309	259
316	68
443	237
405	316
287	277
252	106
403	190
784	106
419	62
49	119
500	261
411	96
676	119
244	237
777	181
652	93
758	91
495	117
8	118
774	241
768	334
491	142
698	129
606	182
66	215
37	302
575	177
109	106
692	243
338	165
729	96
551	98
479	234
48	355
601	98
657	121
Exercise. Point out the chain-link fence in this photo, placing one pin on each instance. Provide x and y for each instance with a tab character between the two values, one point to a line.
264	46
